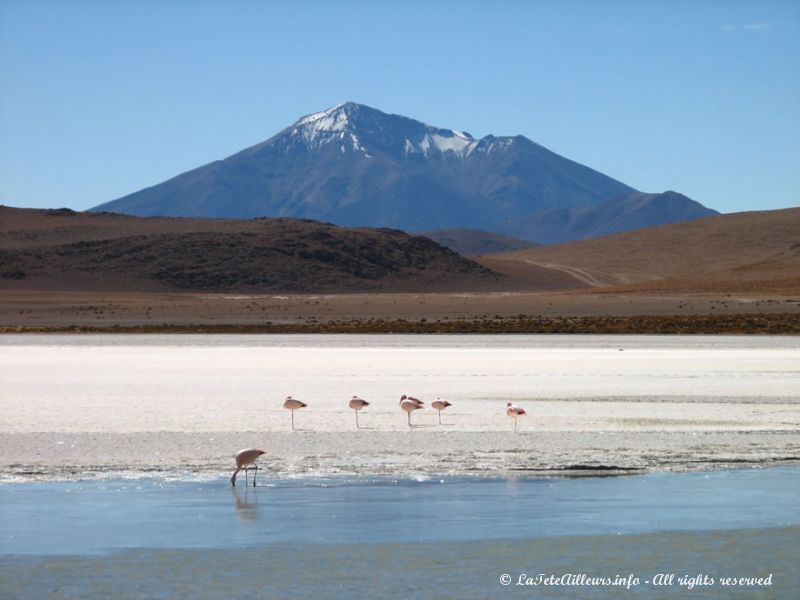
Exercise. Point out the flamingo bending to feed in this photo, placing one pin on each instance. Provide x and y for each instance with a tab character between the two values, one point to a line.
514	412
292	405
357	404
440	405
246	459
409	404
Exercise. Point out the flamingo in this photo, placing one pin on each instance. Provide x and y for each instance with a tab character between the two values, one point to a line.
292	405
514	411
409	404
440	405
357	404
245	458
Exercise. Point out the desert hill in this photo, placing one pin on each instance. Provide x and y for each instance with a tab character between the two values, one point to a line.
66	250
733	252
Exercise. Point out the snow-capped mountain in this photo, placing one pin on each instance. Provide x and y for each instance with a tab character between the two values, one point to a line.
355	165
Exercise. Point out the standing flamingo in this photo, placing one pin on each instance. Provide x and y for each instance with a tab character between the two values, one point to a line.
514	411
440	405
244	459
409	404
292	405
357	404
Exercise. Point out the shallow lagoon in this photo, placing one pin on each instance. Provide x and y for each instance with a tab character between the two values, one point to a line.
96	517
384	538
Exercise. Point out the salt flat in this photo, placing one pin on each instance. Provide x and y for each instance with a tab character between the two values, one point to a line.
74	405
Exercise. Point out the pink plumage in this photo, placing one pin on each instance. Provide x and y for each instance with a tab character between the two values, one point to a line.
357	404
514	412
246	459
410	404
292	405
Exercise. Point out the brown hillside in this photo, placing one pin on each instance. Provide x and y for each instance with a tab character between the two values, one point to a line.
67	250
749	251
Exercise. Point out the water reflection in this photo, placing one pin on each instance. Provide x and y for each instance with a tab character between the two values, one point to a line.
246	503
99	517
513	486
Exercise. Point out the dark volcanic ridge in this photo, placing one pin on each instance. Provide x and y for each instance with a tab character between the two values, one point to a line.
65	250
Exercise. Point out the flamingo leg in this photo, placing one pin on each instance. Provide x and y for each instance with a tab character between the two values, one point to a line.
254	474
292	420
409	418
233	477
357	420
440	417
515	424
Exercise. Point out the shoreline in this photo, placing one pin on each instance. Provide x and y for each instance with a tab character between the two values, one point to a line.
554	474
722	324
561	473
60	456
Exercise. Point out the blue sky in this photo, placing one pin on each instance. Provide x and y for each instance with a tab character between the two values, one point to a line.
100	99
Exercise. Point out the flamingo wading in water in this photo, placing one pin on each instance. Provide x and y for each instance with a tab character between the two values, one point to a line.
246	459
292	405
409	404
514	411
440	405
357	404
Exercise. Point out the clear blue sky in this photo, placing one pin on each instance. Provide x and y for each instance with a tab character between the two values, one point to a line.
102	98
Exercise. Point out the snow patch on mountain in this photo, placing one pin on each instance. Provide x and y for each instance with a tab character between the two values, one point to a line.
327	126
443	141
452	143
491	144
325	119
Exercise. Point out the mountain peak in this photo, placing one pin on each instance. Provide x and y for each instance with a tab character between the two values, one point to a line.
357	127
333	118
336	124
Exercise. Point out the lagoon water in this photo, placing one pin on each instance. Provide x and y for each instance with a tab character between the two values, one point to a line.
96	517
385	538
